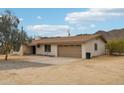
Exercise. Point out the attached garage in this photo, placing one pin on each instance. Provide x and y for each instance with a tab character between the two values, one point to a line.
69	51
80	46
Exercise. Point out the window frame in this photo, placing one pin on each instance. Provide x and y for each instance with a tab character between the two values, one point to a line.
47	48
96	47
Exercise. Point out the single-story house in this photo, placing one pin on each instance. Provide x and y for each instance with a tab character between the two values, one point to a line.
82	46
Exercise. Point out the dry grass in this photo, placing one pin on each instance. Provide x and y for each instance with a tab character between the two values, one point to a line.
100	70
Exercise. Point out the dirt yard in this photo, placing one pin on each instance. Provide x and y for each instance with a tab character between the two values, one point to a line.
34	70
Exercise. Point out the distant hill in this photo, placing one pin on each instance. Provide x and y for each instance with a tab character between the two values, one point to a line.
113	34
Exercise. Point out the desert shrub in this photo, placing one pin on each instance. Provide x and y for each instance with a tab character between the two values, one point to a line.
115	47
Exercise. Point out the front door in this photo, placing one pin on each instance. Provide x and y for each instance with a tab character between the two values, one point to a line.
33	49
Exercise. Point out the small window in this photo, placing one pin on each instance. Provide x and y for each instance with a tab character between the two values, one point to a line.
38	46
95	47
47	48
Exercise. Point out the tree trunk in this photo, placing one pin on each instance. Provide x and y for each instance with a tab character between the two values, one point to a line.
6	56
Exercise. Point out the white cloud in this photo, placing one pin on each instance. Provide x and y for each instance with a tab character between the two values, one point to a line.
81	28
93	15
39	17
49	30
92	25
48	27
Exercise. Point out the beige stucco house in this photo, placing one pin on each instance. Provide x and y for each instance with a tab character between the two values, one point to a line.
83	46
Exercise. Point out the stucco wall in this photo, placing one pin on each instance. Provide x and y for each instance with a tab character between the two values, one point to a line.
85	47
25	50
41	50
89	47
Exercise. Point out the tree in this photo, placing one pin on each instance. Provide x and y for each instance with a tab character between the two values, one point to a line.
19	37
115	47
11	38
23	36
8	26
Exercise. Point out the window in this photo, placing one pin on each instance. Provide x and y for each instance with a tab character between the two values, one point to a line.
47	48
95	47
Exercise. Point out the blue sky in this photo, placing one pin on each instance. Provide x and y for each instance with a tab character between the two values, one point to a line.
57	21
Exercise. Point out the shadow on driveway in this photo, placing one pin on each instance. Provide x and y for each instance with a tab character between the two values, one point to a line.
9	65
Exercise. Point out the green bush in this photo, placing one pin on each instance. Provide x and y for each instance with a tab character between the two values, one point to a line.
115	47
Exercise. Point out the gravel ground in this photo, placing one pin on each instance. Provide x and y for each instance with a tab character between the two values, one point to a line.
49	70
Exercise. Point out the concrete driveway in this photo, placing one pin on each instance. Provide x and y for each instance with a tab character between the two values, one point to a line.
51	60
